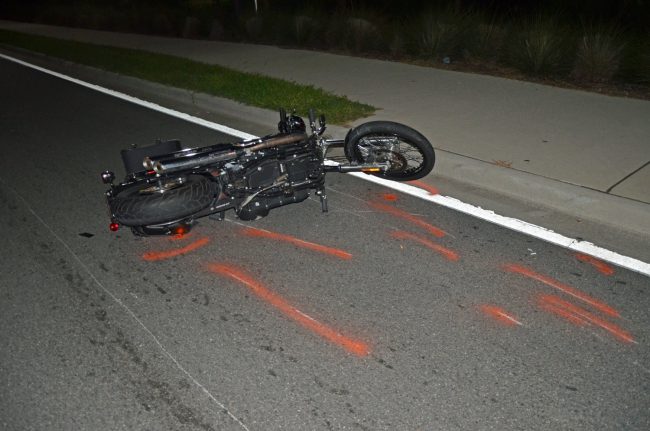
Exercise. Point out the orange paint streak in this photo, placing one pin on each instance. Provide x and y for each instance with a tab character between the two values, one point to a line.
353	346
601	266
180	237
431	189
554	309
499	314
390	197
444	251
439	233
527	272
161	255
581	313
260	233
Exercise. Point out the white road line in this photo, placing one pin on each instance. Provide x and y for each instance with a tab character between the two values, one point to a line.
143	103
516	225
446	201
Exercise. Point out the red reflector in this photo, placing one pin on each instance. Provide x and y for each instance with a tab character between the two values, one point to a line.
113	227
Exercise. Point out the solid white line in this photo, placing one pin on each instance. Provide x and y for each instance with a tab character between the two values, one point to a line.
150	105
446	201
515	224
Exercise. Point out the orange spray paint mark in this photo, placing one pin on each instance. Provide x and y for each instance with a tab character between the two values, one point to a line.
161	255
261	233
180	236
421	184
390	197
562	312
527	272
439	233
500	315
444	251
353	346
601	266
580	313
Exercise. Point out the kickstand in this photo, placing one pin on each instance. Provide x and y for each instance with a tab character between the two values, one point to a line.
323	198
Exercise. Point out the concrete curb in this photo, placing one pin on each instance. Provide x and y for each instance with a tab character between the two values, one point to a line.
626	214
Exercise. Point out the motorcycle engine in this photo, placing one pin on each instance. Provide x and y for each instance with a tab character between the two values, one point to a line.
276	181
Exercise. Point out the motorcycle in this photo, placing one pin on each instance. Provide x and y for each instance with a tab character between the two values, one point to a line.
167	188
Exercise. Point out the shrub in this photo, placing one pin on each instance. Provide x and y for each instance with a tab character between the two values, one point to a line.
635	64
358	33
444	32
541	47
486	37
599	53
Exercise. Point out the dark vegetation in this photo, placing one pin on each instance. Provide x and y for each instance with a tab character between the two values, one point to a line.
603	45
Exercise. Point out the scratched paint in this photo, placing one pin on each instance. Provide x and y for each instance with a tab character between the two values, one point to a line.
499	314
356	347
554	303
421	184
601	266
433	230
167	254
527	272
444	251
261	233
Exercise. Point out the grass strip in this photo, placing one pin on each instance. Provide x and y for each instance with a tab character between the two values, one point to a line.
250	89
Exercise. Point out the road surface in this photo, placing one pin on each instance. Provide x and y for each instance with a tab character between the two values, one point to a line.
387	313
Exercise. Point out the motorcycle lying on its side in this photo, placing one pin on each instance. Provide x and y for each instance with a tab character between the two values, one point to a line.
167	188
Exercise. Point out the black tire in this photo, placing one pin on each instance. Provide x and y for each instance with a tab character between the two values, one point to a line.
411	154
136	206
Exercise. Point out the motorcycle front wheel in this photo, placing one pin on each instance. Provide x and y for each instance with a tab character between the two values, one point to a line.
156	203
409	154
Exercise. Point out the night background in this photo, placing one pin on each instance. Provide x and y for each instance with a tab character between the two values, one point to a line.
586	42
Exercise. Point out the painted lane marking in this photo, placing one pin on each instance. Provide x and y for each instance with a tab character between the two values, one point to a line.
262	233
554	303
433	230
499	314
601	266
571	291
150	105
151	256
444	251
356	347
514	224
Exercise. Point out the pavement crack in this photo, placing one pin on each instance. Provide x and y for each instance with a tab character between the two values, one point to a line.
627	176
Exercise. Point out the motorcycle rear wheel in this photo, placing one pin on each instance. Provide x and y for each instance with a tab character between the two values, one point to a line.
408	152
148	204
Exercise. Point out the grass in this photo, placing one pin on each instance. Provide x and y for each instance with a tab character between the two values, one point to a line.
250	89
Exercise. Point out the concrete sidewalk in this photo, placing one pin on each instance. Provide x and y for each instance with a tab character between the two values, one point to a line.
526	140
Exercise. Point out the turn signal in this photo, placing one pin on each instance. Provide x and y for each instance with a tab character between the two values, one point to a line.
367	170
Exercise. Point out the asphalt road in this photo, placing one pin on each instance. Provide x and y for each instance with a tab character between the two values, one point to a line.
434	320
